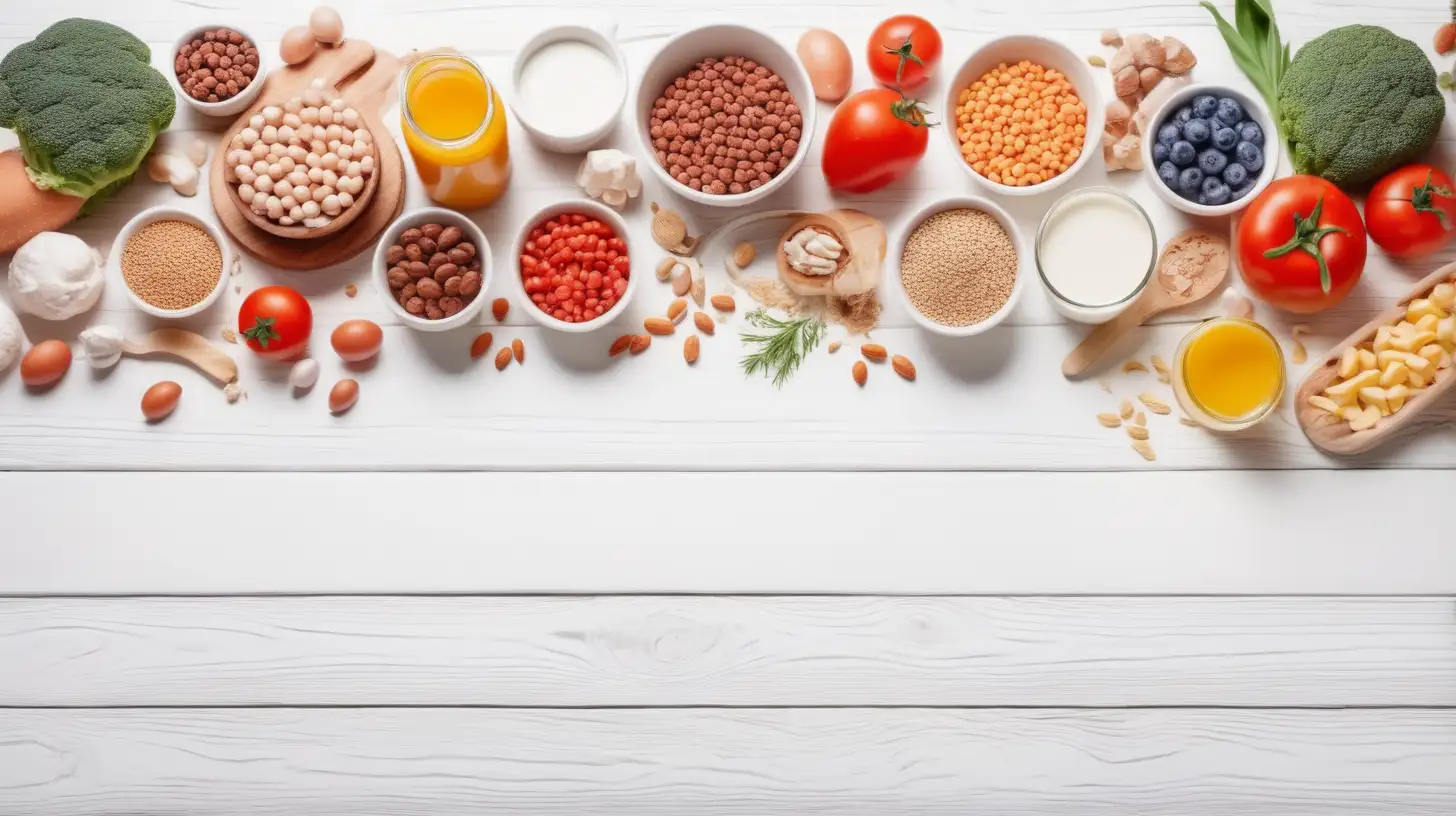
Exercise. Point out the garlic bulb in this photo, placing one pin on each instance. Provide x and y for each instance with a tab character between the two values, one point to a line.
811	252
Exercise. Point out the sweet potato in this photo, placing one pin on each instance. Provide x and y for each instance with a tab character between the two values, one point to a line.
25	209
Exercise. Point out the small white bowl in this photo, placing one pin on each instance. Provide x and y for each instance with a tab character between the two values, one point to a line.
417	218
689	48
1049	54
150	216
230	107
961	203
600	212
1252	107
589	133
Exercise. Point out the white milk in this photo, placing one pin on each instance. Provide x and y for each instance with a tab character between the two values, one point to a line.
568	87
1094	251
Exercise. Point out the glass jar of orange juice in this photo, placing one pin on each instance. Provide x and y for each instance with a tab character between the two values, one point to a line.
1229	374
455	126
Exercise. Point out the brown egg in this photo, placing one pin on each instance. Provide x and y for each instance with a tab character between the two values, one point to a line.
357	340
45	363
326	25
343	396
161	400
827	62
297	46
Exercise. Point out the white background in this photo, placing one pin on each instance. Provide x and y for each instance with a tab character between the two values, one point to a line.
583	586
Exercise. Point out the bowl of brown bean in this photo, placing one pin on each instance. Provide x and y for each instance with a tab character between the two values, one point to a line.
960	266
171	262
726	112
218	70
432	266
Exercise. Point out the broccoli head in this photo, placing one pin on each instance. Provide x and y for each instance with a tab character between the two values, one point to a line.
1359	101
86	104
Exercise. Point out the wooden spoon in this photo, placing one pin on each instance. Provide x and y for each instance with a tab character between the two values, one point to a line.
1332	434
189	347
1160	295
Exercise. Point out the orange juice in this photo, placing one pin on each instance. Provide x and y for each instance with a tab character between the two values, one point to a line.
1230	373
455	126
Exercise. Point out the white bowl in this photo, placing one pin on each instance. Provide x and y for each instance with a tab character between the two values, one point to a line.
230	107
417	218
153	215
1044	52
589	133
689	48
961	203
600	212
1255	110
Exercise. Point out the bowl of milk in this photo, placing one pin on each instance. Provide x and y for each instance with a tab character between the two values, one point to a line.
569	86
1096	251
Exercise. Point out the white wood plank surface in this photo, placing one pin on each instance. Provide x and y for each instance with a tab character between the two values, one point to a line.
350	762
697	651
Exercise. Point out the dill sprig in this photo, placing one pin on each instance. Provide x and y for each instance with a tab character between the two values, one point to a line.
782	351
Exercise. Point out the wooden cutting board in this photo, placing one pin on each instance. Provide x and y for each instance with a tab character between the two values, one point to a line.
366	78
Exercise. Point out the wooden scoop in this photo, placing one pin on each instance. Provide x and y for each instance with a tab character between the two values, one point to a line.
189	347
1160	295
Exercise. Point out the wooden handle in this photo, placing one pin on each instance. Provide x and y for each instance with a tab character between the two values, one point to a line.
1102	338
187	346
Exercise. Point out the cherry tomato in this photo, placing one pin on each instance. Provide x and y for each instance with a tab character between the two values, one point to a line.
574	267
904	52
875	137
1410	212
1301	244
276	321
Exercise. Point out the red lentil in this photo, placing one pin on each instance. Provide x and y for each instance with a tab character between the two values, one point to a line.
574	267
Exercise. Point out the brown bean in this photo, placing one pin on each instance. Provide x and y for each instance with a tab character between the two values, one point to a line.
429	288
418	270
431	231
445	272
410	236
449	237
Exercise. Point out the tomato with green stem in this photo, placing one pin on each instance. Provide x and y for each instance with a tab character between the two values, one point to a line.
276	322
1301	244
904	52
1411	211
876	137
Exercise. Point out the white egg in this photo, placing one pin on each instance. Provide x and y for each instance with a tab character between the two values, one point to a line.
304	374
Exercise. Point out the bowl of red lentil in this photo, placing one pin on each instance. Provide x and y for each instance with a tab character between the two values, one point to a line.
172	262
571	266
1024	115
960	266
725	113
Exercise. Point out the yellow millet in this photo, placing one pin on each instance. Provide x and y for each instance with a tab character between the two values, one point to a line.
958	267
171	264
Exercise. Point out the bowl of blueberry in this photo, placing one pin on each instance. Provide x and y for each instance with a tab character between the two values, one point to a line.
1213	149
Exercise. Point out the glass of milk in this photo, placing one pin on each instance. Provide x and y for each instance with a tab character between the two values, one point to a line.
569	85
1095	251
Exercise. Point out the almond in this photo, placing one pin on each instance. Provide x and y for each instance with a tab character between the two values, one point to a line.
664	269
1144	449
619	345
1109	420
690	349
640	342
682	280
502	359
833	347
704	323
874	351
744	253
676	310
658	325
861	372
481	345
1137	432
723	303
903	367
1133	365
519	349
499	307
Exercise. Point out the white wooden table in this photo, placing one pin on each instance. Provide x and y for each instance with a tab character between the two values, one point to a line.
957	596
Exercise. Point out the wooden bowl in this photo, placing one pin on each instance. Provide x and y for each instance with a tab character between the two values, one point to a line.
302	233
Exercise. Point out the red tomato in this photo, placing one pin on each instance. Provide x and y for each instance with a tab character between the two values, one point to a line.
904	52
875	137
276	322
1301	244
1409	212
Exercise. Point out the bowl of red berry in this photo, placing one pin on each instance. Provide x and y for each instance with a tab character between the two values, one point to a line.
573	267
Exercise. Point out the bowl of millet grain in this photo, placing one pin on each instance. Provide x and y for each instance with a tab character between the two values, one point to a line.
172	262
960	266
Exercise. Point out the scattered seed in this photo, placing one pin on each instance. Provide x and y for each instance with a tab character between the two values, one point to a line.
704	323
229	336
676	309
1154	404
1300	355
1109	420
1161	368
481	345
640	342
1096	61
833	347
1189	422
232	392
1137	432
1144	449
502	359
519	350
351	290
1106	386
690	349
860	371
1133	365
1140	419
1126	408
620	345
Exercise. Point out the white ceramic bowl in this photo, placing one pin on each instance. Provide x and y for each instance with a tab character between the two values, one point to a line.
417	218
1043	52
1023	269
1255	110
601	212
589	133
230	107
153	215
689	48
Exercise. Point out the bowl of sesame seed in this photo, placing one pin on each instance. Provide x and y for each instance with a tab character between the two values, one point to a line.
172	262
960	266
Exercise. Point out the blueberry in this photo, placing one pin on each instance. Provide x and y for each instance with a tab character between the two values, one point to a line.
1210	183
1230	112
1189	181
1184	114
1225	138
1250	156
1182	154
1204	106
1243	189
1235	175
1197	132
1168	133
1251	132
1215	194
1160	153
1212	162
1168	172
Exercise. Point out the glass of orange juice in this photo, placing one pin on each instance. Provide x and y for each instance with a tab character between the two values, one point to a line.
455	126
1229	374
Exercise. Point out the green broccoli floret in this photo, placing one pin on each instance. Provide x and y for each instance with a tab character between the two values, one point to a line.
86	104
1359	101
